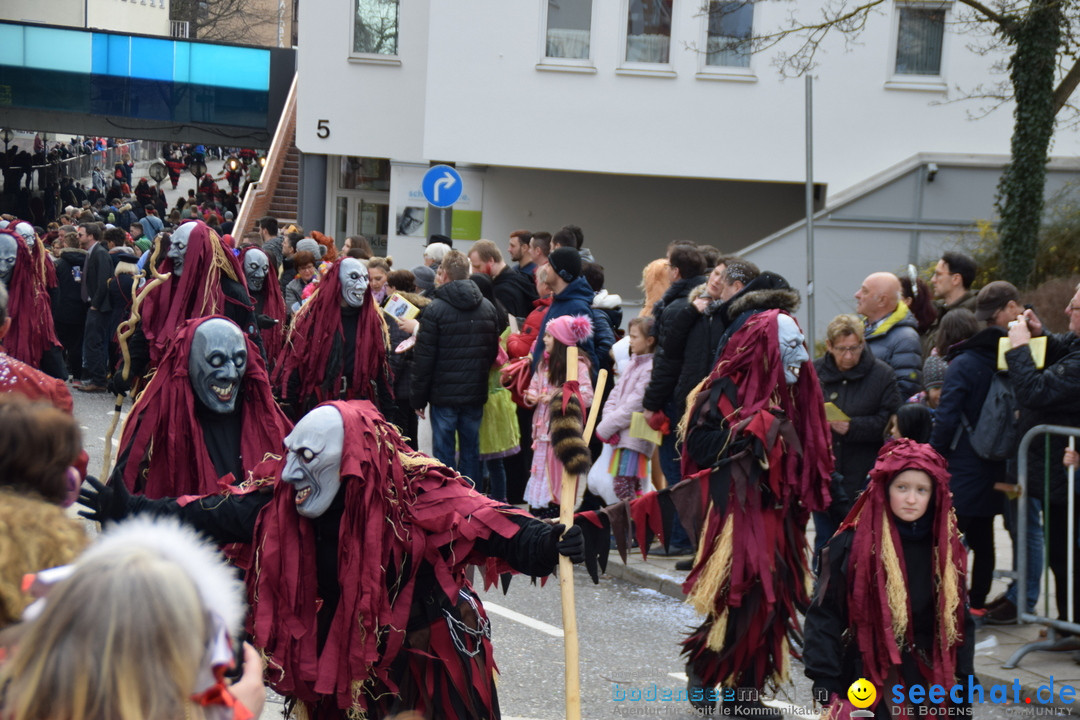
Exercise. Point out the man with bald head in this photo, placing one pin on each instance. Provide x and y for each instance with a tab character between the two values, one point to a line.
891	333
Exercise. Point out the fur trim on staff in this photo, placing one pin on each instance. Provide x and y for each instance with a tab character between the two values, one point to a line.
566	430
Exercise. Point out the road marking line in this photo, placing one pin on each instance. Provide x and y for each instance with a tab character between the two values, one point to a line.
679	676
523	619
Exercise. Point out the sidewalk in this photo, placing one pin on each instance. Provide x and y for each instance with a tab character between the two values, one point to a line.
1039	668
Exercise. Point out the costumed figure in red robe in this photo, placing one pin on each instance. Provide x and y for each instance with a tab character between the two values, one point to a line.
206	418
757	461
269	304
359	596
18	377
336	348
45	269
891	601
200	277
32	337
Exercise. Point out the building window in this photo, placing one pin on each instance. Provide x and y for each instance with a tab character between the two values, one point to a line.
919	39
648	31
375	27
569	24
357	173
730	27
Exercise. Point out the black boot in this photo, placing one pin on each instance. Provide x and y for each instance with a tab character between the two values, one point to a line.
702	697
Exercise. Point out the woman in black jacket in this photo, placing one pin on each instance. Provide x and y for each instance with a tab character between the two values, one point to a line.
865	390
972	364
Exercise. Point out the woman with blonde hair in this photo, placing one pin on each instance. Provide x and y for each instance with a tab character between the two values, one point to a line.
138	628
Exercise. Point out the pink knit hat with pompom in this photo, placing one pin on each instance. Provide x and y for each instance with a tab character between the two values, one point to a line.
570	329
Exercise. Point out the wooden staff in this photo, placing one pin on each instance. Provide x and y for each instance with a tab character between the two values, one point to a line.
567	501
566	576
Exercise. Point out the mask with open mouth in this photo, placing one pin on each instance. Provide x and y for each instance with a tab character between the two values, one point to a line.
178	244
217	364
26	232
354	281
9	250
313	466
792	347
256	268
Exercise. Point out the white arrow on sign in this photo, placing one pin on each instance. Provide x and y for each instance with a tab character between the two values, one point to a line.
446	181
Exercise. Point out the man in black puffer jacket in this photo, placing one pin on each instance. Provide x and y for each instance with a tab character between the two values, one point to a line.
455	347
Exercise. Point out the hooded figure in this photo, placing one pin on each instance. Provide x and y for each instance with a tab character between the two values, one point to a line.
757	428
891	601
32	337
336	347
265	292
359	594
206	279
202	420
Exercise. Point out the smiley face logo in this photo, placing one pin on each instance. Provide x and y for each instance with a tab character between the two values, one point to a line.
861	693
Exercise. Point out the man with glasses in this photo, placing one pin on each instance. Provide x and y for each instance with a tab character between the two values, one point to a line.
951	282
891	329
1051	395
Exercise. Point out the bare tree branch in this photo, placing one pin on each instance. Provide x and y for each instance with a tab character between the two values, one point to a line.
1066	87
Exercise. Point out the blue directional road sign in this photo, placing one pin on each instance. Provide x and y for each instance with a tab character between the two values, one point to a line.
442	186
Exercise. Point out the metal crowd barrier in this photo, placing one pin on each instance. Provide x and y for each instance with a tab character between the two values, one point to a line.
1069	625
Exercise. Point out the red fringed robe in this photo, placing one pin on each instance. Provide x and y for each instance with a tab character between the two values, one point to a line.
767	585
196	293
309	346
273	306
398	517
32	332
868	612
163	424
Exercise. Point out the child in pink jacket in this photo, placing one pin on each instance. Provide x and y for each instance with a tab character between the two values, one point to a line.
630	462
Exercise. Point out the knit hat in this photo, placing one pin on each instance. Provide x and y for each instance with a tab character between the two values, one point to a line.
566	262
933	372
570	329
311	246
143	244
425	277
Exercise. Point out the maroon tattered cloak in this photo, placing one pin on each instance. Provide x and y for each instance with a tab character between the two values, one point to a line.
310	346
197	293
750	576
165	450
32	332
272	304
878	605
403	513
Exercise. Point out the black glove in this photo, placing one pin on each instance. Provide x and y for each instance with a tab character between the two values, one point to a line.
117	384
265	322
113	502
104	502
571	544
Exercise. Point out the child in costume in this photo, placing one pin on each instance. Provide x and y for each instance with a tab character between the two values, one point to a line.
545	480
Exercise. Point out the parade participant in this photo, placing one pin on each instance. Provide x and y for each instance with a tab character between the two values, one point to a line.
395	626
22	379
891	604
43	265
207	417
140	626
336	347
31	337
269	305
201	278
757	428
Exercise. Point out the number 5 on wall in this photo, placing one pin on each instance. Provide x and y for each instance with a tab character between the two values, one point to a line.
323	129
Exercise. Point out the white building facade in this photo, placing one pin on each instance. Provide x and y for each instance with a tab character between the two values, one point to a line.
629	118
143	17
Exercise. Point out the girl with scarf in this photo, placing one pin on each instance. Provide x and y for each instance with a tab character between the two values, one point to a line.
891	604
